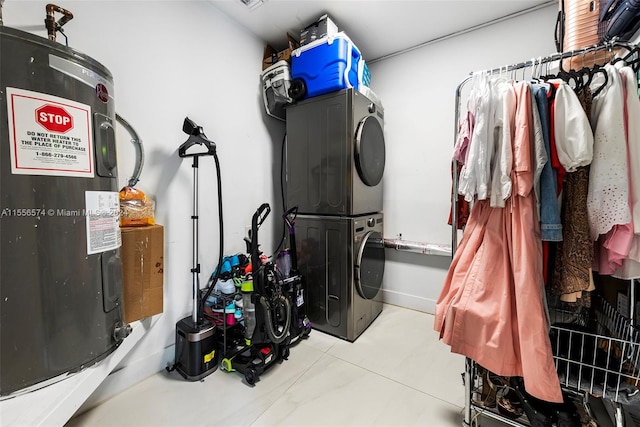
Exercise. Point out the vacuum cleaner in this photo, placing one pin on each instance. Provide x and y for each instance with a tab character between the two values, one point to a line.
196	337
267	314
293	284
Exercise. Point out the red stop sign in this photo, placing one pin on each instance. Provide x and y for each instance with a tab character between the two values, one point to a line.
54	118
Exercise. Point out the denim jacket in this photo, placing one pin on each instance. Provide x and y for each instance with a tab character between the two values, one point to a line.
550	224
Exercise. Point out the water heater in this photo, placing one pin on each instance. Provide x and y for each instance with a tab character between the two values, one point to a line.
60	268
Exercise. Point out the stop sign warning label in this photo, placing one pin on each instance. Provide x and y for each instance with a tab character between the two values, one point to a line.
49	135
53	118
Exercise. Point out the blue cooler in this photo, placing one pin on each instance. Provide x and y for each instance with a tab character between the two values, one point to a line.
326	65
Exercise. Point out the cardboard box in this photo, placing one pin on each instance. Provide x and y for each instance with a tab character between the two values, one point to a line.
271	56
142	255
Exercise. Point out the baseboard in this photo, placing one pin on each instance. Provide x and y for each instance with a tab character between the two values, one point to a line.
412	302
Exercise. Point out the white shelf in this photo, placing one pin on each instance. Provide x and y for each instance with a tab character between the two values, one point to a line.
56	403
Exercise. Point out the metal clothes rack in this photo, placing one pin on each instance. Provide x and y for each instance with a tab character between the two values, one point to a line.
470	367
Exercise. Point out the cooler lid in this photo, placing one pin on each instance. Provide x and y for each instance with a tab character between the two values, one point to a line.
328	39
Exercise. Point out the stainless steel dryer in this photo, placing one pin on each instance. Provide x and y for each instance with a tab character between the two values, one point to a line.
335	154
342	260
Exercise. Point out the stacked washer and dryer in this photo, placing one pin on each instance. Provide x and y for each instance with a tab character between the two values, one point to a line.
335	164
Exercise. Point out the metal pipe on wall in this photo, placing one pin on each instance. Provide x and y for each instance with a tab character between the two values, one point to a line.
137	143
418	247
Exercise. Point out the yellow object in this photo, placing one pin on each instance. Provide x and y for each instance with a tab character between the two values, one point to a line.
209	357
226	365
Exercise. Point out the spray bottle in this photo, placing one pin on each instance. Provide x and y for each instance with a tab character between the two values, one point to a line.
249	308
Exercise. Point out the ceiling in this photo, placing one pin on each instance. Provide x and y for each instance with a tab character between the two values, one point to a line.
378	27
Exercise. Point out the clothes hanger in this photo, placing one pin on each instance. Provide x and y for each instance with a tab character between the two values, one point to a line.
546	76
584	72
633	63
536	73
635	50
551	88
570	75
589	72
598	69
531	67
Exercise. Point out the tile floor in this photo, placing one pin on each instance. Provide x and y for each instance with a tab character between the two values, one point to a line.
396	374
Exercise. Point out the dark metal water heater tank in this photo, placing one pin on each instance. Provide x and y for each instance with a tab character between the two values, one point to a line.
60	269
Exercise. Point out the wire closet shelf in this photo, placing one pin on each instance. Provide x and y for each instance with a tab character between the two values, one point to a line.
605	363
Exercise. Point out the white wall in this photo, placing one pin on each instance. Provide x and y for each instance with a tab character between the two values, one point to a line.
418	89
170	60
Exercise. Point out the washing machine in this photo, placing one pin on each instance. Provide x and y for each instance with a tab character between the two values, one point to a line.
342	260
335	154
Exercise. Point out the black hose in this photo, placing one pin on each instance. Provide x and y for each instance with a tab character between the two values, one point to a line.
282	191
269	326
220	255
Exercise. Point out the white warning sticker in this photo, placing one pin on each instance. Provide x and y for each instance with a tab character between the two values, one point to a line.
49	135
103	221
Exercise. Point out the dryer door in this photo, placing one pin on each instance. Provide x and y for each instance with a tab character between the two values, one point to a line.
369	266
370	151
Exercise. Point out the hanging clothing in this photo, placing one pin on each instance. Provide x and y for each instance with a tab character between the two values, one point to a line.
555	161
474	176
630	268
540	158
608	197
485	174
612	248
632	103
572	131
460	154
502	156
463	141
491	307
463	208
572	276
550	223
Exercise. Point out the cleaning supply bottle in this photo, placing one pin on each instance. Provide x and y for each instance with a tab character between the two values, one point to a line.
249	309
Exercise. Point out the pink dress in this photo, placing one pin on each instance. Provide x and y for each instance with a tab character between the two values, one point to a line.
491	307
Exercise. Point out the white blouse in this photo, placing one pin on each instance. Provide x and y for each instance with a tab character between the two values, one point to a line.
502	133
486	172
631	267
608	196
478	103
572	131
633	143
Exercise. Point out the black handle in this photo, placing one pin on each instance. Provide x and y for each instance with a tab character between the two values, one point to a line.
559	31
258	218
196	137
